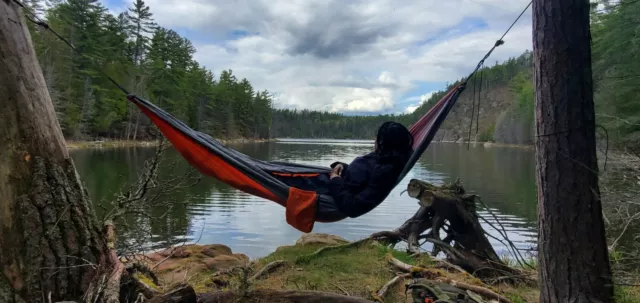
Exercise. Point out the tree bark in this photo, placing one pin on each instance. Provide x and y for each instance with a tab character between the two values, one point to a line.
574	265
50	247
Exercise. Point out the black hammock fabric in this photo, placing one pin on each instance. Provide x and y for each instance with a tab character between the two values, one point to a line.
273	180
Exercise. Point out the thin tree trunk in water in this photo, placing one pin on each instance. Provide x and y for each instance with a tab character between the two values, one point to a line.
135	129
130	109
47	232
574	265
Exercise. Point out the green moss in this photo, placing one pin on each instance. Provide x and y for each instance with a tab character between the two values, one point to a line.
290	253
627	294
146	281
357	270
516	299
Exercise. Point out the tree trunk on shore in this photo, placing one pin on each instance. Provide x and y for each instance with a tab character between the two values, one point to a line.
574	265
50	247
449	205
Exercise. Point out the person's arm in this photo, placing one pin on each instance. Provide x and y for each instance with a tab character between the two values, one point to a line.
360	203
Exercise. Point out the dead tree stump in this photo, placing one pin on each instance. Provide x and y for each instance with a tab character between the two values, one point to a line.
449	208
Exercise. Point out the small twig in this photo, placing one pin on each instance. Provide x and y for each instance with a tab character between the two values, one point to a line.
58	220
522	277
605	218
625	284
618	118
452	252
383	291
441	263
633	218
346	293
517	255
268	269
326	249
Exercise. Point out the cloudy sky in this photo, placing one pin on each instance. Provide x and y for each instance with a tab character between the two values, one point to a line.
348	56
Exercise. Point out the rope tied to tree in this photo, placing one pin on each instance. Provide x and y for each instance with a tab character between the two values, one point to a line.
33	18
480	64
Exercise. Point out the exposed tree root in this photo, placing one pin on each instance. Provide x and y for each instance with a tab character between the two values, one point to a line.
448	208
326	249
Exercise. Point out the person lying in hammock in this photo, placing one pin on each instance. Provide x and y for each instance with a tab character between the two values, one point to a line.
361	186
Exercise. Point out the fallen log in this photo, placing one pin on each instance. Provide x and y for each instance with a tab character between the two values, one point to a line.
182	294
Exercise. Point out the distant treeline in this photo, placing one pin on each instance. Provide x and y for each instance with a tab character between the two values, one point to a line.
151	61
158	64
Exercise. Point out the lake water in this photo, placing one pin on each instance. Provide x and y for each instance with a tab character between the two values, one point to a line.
215	213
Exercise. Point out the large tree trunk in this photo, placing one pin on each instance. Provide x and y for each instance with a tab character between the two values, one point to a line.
50	248
574	265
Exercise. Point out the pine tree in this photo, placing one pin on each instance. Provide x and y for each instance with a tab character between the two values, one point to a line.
156	63
140	25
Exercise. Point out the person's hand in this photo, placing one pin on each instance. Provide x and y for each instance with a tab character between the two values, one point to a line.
336	172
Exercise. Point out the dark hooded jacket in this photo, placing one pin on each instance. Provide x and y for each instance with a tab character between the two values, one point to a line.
366	182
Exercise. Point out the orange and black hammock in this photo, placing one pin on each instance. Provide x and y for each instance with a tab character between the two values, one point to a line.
274	180
271	179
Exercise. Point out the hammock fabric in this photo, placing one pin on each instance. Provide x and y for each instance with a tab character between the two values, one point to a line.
271	179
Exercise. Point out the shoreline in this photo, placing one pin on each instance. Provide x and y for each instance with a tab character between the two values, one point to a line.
80	144
73	144
363	267
491	144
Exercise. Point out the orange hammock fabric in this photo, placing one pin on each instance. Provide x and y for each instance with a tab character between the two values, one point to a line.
269	179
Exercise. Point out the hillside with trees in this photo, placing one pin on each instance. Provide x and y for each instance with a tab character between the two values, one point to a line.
500	98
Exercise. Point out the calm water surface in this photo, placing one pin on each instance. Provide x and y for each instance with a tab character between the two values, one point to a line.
503	177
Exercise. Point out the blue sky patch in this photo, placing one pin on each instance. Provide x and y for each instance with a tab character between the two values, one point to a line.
466	26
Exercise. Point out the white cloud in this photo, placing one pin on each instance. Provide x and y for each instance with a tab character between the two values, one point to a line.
424	98
419	99
387	78
359	56
410	109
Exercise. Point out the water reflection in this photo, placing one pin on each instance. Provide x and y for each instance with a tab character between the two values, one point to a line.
216	213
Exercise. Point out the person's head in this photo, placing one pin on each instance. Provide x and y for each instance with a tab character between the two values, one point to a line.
392	138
